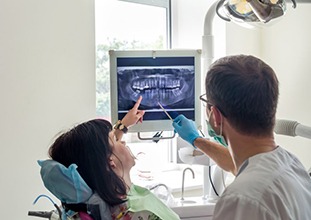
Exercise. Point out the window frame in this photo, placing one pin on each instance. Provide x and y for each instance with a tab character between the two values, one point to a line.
163	4
172	154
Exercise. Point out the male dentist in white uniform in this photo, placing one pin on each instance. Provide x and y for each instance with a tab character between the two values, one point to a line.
241	101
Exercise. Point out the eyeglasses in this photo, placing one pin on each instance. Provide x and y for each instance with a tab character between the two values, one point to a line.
206	103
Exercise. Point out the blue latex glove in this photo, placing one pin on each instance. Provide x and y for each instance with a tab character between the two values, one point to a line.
186	129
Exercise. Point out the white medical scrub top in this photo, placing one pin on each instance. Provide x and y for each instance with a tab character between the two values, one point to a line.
272	185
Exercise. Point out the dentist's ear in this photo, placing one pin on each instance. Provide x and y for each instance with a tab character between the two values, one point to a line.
217	116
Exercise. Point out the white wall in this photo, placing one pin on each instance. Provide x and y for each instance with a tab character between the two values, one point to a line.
240	40
47	83
286	47
187	23
47	79
188	26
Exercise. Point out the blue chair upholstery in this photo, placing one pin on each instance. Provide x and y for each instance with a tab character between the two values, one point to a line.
69	187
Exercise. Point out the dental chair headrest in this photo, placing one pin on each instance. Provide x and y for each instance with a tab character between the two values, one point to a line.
69	187
65	183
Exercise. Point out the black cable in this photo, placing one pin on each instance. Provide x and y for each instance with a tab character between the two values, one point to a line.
58	210
202	133
44	214
211	181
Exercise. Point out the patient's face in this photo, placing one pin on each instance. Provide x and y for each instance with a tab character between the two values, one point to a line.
122	151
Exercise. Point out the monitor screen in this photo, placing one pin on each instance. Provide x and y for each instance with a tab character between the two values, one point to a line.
168	77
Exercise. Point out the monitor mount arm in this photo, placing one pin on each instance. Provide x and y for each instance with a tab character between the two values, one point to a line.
155	138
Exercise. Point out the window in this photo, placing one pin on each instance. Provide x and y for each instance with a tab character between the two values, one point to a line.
131	24
127	24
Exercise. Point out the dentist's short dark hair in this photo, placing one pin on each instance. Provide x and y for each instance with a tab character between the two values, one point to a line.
246	90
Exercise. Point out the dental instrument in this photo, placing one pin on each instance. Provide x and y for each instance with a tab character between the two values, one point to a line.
165	111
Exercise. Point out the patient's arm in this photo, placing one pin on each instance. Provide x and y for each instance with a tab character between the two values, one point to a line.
131	118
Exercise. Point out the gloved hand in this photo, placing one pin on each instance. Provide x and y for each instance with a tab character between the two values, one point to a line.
186	129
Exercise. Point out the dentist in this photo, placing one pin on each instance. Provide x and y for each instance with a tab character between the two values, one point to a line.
241	101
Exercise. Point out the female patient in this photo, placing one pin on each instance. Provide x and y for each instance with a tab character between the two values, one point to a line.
104	162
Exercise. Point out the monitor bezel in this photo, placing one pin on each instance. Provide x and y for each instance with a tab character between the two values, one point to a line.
154	125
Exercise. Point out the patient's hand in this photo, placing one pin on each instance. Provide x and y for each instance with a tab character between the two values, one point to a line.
134	115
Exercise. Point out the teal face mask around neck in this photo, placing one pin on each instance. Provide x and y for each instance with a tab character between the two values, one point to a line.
218	138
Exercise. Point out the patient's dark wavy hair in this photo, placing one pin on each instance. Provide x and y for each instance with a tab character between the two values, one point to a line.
87	145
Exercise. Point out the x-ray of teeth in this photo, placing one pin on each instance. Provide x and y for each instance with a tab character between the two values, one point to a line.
172	86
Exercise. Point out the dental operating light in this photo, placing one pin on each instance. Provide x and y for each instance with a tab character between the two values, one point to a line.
251	11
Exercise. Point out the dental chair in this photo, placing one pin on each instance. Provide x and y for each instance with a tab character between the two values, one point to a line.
78	201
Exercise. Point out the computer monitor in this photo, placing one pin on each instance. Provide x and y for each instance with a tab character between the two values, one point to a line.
169	77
